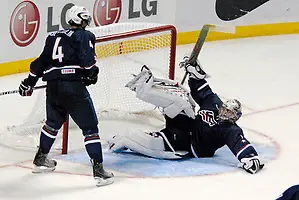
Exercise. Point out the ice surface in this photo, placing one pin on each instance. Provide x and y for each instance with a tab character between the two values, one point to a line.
261	72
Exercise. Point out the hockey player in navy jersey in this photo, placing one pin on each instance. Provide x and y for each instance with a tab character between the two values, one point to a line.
186	133
291	193
68	65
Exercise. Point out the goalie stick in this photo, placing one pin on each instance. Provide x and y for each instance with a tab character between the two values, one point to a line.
201	39
17	91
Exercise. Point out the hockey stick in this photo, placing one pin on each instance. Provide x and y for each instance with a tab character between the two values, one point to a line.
201	39
17	91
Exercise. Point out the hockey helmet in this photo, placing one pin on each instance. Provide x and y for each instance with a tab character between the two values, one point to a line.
78	14
231	111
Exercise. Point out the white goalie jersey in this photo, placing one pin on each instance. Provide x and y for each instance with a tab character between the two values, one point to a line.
168	95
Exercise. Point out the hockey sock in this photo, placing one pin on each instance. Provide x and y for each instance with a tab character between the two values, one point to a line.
47	138
93	147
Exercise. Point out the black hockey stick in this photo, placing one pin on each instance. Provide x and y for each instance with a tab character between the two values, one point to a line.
17	91
200	41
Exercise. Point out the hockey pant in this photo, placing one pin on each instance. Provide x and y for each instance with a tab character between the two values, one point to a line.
70	97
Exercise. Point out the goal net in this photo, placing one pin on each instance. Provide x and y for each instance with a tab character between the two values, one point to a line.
121	49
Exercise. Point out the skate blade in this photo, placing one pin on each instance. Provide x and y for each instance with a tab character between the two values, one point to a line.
103	182
42	169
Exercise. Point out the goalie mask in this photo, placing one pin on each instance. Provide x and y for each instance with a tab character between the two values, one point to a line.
77	15
230	111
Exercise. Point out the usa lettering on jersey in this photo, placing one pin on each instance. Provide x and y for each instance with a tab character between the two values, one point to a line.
208	117
68	71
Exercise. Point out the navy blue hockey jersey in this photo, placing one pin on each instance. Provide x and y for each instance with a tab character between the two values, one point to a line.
208	135
291	193
67	55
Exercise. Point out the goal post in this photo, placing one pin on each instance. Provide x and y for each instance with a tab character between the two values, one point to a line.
147	32
121	51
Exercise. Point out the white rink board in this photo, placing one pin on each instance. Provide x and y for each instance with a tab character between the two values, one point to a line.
187	15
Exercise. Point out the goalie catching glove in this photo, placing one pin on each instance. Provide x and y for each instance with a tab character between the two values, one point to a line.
194	71
166	94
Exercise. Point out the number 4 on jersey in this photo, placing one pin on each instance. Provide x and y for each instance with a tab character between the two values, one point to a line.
57	50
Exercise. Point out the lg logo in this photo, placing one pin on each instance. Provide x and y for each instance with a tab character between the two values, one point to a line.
25	19
135	13
24	23
63	19
106	12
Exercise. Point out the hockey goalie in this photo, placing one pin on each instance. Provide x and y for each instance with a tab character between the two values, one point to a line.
186	133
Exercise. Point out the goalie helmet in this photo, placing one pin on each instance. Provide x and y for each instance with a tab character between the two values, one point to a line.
78	14
230	111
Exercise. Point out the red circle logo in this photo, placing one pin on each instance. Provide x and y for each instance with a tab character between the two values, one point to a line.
24	23
106	12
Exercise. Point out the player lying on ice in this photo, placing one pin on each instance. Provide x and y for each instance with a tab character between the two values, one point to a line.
187	134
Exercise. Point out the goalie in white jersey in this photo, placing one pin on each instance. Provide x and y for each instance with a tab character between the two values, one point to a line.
187	134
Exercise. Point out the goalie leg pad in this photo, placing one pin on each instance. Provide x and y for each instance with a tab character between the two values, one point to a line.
172	98
149	144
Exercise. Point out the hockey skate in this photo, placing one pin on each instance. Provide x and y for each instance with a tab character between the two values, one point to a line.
103	177
42	163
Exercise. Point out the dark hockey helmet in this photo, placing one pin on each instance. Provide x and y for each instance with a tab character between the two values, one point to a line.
231	111
78	14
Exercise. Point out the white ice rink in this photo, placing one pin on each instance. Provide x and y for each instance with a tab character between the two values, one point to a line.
263	73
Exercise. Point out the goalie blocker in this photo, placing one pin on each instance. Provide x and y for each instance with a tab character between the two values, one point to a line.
187	134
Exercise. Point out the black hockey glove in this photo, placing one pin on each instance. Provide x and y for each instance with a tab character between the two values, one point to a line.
25	89
91	77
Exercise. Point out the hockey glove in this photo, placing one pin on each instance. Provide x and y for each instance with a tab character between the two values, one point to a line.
92	76
184	62
25	89
251	165
194	71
